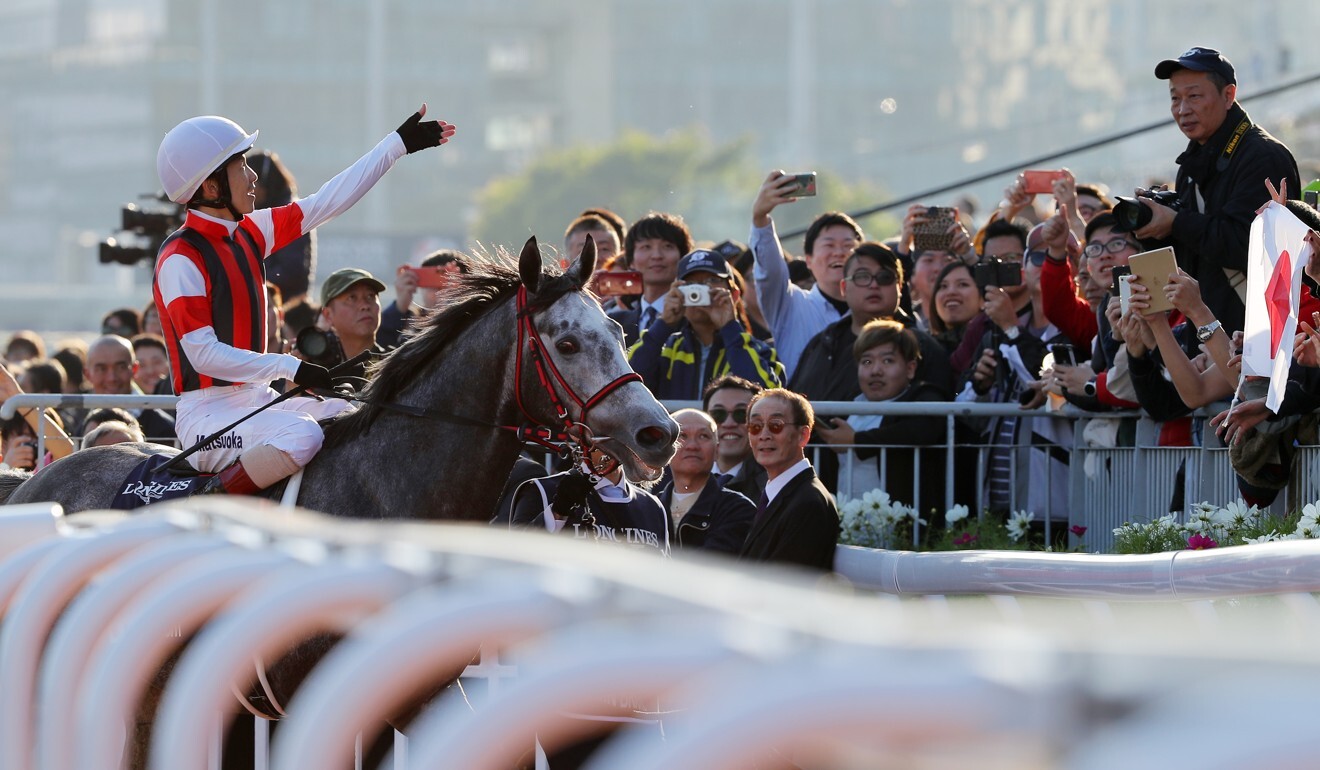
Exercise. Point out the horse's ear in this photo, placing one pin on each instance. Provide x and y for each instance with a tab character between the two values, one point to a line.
586	261
529	265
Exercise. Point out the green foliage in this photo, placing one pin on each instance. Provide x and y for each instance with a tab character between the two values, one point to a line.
710	186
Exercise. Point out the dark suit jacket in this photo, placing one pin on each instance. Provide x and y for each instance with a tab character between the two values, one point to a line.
800	526
717	521
749	481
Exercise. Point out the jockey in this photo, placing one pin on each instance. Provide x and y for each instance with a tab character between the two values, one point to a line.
209	286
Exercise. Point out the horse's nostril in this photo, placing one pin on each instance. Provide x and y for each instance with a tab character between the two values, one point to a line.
651	436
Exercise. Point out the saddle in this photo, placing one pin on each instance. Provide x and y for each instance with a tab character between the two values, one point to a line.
147	483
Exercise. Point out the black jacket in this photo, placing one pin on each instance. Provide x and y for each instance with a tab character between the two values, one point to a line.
899	433
1230	177
1158	396
800	526
750	479
827	370
717	521
639	522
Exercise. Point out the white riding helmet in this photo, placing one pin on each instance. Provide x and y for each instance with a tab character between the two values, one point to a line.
195	148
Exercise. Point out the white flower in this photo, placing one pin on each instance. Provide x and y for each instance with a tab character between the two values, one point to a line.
1167	520
1269	537
1237	514
956	514
1310	516
1017	524
1202	508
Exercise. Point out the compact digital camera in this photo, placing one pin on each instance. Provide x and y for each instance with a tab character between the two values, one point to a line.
695	295
997	272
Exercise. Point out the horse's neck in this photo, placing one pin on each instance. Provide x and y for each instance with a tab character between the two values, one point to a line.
411	467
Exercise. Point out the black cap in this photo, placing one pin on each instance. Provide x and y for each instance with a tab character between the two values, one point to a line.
1200	60
703	259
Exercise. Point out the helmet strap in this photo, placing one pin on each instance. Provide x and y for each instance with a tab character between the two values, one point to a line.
225	199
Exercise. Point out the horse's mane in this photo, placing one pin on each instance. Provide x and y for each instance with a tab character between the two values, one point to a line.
486	285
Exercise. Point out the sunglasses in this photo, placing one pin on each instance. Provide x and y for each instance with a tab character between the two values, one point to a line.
1037	258
719	414
776	427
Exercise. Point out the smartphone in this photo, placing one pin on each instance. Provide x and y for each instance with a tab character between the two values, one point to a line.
933	234
1064	354
1119	272
1041	182
431	277
805	185
1311	198
616	283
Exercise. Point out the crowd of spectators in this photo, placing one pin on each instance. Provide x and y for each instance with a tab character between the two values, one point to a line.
1023	308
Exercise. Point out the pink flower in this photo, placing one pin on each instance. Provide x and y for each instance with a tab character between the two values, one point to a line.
964	539
1199	542
1077	529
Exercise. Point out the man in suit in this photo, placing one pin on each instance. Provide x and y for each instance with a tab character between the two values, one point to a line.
726	400
797	521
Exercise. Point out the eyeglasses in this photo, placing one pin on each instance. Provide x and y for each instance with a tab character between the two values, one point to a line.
719	414
776	426
1095	248
1008	256
866	278
1037	258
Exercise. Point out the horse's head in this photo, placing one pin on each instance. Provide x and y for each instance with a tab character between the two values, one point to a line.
586	349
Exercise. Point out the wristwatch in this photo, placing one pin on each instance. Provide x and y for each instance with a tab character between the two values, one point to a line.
1204	333
1089	388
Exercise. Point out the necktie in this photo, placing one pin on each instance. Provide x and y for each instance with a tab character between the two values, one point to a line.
760	509
648	318
724	478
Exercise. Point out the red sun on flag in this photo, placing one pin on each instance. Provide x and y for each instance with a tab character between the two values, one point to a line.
1278	299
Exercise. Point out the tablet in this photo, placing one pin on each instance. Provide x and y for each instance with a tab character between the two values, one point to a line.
1152	270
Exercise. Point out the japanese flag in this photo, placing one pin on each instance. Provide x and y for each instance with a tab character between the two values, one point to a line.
1275	259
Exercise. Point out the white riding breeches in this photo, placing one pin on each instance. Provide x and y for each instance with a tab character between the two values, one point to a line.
289	426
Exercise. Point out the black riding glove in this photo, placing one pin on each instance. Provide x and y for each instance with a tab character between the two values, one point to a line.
310	375
417	135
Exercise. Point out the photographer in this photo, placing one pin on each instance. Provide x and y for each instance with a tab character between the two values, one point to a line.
1208	219
676	360
1027	461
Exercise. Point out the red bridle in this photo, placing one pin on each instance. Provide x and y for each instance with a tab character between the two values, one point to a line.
535	431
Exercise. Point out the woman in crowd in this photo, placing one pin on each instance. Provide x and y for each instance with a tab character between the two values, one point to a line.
957	301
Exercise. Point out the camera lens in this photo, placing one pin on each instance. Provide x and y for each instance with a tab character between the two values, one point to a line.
1130	214
312	342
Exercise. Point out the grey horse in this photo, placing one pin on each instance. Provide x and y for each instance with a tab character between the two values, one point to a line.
463	369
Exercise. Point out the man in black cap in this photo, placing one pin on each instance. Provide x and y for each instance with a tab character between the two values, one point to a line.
702	333
1221	180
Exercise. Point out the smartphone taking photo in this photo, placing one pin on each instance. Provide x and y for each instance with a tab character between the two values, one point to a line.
805	185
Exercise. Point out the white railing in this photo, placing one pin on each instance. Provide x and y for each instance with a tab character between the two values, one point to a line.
1106	487
743	664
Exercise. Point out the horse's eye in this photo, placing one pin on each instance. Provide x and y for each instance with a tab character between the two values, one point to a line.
568	347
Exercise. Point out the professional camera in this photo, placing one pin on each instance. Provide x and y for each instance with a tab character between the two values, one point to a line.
144	226
320	347
695	295
1131	214
997	272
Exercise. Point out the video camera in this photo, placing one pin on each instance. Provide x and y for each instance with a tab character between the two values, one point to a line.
1131	214
144	226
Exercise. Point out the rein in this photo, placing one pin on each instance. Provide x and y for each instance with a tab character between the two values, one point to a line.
563	438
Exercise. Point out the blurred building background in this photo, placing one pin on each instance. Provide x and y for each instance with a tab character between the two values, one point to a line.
901	94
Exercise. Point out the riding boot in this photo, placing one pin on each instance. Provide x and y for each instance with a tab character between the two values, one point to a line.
233	480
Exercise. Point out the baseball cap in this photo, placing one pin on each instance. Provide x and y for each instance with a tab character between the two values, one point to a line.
703	259
1200	60
341	281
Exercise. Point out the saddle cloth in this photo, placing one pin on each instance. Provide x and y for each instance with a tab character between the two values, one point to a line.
147	484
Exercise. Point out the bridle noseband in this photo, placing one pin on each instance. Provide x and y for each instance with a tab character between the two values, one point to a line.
576	436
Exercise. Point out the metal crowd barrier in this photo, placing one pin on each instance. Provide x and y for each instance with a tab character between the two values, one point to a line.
743	665
1104	486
